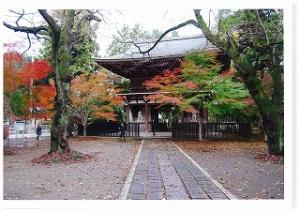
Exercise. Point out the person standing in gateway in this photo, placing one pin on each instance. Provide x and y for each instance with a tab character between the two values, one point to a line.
122	129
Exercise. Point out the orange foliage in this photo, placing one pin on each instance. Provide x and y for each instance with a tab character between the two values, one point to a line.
169	85
19	73
12	79
36	70
163	99
94	97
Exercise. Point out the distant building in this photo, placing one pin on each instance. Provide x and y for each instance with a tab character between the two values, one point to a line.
141	67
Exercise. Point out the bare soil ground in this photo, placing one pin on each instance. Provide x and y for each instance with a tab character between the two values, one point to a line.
102	177
240	167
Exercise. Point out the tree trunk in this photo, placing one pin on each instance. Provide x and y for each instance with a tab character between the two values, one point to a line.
275	136
61	47
270	111
84	130
59	133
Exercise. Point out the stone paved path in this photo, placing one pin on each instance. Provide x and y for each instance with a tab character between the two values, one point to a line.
163	172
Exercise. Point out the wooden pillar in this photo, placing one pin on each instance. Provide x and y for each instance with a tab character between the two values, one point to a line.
127	113
146	116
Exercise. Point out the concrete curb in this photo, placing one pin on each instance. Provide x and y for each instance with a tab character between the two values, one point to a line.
219	185
126	186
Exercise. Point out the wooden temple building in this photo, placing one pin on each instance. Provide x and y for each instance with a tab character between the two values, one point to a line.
141	67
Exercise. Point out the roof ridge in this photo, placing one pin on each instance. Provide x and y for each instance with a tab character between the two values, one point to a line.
152	40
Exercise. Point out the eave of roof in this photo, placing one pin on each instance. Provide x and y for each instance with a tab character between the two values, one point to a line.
166	48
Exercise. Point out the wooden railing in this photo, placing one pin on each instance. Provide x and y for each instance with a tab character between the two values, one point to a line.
185	130
110	129
211	131
133	130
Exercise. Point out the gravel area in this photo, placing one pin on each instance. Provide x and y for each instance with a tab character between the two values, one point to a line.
237	167
102	178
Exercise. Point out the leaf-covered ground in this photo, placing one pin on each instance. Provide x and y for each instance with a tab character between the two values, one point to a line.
101	177
244	168
60	157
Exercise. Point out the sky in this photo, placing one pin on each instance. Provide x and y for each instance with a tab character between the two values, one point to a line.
157	18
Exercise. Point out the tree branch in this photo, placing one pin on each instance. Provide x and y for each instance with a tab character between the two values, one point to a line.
33	30
50	20
29	41
206	31
193	22
263	26
89	17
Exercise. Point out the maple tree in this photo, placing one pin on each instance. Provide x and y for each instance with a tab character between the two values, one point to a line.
198	82
93	97
21	97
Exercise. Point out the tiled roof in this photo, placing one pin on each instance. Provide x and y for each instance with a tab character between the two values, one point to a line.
166	47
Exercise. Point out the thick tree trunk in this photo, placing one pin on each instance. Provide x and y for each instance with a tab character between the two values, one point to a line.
61	47
84	130
272	119
59	133
275	136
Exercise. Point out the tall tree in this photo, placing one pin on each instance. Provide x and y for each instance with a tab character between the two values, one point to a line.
93	97
253	39
63	37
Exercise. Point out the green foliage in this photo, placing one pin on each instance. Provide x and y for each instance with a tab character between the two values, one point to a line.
19	102
256	32
83	47
226	96
123	85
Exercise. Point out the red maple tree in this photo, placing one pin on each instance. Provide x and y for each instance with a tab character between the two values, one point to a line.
19	76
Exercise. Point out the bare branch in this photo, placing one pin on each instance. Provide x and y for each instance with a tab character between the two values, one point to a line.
193	22
50	20
26	29
206	31
29	41
89	17
137	46
23	12
20	17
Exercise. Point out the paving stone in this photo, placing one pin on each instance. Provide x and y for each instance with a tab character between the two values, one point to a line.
217	196
211	188
177	195
136	196
154	181
138	181
164	172
154	196
156	188
137	188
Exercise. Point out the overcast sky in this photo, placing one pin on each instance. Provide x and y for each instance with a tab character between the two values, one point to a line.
161	19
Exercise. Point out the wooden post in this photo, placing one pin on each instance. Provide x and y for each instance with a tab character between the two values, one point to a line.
146	114
127	113
200	130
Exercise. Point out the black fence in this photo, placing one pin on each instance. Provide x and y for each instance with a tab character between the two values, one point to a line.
101	128
159	127
225	131
110	129
211	131
185	130
133	129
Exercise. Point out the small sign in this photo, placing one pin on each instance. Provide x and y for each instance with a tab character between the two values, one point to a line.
19	126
